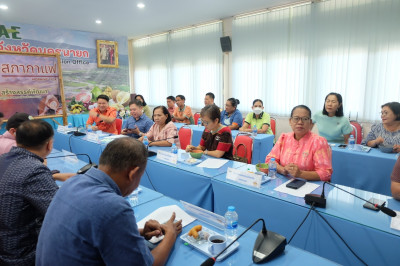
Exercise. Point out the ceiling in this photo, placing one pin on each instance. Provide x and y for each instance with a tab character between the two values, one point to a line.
123	17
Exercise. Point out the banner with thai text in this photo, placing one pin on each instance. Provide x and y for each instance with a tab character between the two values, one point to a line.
83	80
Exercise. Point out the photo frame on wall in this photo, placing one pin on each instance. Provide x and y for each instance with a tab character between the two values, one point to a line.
107	54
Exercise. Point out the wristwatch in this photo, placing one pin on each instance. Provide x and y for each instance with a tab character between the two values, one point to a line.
140	134
205	152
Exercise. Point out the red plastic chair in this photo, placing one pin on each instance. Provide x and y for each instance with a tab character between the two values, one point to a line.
185	136
273	125
196	117
118	123
357	131
245	150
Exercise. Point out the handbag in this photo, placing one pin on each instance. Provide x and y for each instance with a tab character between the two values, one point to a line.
238	158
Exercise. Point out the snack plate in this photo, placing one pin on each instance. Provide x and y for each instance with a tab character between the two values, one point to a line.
191	161
203	247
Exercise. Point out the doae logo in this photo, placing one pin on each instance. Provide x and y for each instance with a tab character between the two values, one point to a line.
11	33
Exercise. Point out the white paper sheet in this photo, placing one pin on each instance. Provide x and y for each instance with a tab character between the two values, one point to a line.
307	188
212	163
395	223
162	215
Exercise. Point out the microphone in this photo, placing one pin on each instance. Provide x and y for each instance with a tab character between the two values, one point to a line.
315	198
152	153
76	132
83	169
268	245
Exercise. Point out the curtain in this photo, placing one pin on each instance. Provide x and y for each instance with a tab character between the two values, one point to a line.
299	54
187	62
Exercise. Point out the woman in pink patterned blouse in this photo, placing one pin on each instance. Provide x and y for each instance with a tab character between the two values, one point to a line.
302	153
163	128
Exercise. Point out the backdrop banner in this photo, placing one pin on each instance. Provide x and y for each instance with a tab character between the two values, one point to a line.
83	80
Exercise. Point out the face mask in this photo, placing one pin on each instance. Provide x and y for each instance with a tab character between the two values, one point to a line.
257	110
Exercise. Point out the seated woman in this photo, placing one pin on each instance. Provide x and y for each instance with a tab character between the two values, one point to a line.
231	116
163	128
103	115
258	118
216	140
331	123
302	153
388	131
146	108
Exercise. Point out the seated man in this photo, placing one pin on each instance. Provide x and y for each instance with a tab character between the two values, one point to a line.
104	116
171	104
26	190
7	140
138	123
395	177
209	99
183	113
90	223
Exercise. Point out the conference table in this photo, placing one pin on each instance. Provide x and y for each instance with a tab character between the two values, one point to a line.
367	171
262	144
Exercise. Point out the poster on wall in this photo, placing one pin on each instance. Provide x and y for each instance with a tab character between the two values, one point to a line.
31	83
82	78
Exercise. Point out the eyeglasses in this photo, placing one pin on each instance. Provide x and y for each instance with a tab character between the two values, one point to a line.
205	123
384	113
296	119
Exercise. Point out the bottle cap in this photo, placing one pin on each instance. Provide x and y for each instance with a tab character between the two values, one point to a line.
231	208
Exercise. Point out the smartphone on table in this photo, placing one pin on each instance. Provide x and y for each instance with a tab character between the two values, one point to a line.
295	183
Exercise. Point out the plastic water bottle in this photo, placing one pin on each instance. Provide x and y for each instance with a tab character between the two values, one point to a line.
255	131
352	142
272	168
231	223
69	125
174	149
199	122
146	141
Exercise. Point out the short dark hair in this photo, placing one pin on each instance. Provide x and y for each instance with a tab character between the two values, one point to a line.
1	115
211	95
395	107
136	102
123	154
234	102
339	111
302	106
16	120
212	111
165	111
180	96
141	96
104	97
172	98
258	100
34	134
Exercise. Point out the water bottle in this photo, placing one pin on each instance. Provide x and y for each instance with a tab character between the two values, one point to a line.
272	168
231	223
254	131
352	142
146	141
174	149
199	122
69	125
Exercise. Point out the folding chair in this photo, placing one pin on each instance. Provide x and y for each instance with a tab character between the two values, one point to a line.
185	136
243	148
118	125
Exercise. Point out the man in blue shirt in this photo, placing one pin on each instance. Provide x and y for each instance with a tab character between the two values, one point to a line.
138	123
26	190
90	223
231	116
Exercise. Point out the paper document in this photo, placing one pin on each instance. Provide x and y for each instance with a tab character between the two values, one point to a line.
395	223
307	188
212	163
162	215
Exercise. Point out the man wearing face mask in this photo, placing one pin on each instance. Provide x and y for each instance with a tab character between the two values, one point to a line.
257	118
7	140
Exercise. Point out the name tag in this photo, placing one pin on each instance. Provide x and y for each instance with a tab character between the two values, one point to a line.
167	157
62	129
92	137
244	177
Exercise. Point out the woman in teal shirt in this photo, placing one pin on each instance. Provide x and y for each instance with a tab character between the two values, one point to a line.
331	123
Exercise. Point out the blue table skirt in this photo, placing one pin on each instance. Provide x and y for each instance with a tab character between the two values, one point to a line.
184	254
283	215
367	171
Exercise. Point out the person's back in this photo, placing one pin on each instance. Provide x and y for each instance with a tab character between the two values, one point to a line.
26	190
89	209
7	140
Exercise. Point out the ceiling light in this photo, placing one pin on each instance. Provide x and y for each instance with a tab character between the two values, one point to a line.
4	7
98	21
140	5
